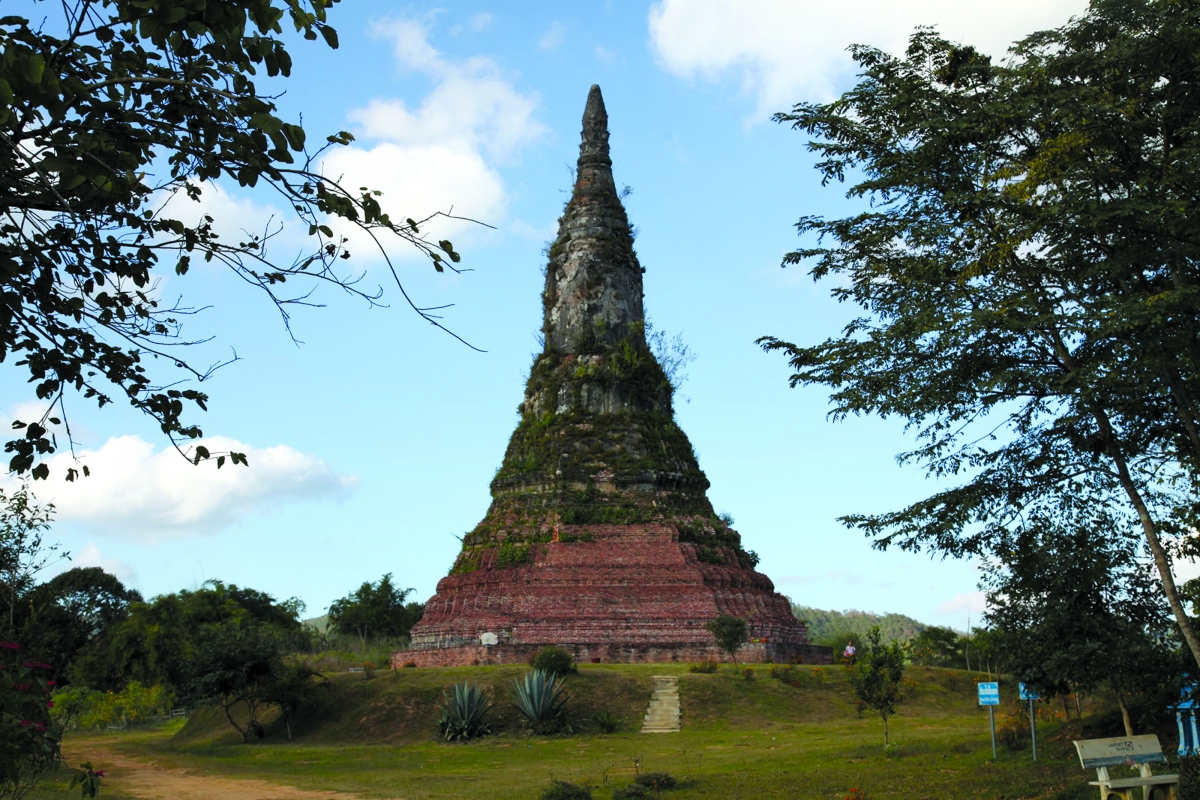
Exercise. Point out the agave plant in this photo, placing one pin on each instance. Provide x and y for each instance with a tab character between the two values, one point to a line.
465	710
541	698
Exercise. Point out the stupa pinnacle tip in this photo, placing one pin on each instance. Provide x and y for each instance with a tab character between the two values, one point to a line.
594	147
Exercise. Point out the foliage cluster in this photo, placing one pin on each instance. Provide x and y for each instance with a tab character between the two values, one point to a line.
704	667
834	628
29	743
565	790
107	111
553	661
79	708
375	610
1025	266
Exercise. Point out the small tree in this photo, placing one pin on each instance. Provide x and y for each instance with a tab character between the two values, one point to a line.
289	688
876	677
22	552
234	666
730	633
375	609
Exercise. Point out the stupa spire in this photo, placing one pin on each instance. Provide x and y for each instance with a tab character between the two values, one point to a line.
593	150
593	296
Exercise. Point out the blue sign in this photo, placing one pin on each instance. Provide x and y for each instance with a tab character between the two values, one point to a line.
989	694
1028	694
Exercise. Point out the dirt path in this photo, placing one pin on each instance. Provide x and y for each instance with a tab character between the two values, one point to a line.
146	780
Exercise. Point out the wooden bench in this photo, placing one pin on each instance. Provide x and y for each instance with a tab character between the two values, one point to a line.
1131	751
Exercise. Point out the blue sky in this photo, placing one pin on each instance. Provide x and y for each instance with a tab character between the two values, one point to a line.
373	442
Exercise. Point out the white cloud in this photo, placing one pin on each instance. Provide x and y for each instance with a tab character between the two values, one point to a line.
138	493
90	556
959	606
784	51
439	154
417	181
553	38
480	22
605	55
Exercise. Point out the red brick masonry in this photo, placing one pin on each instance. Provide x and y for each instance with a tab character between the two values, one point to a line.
633	593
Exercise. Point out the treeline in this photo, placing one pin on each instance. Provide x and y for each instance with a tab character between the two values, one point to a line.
833	628
107	650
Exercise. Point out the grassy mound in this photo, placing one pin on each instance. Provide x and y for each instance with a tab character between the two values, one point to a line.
760	738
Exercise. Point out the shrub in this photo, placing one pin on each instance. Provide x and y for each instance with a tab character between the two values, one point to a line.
465	710
28	740
786	674
748	673
608	723
561	790
84	709
409	665
554	660
655	780
1189	778
706	667
541	699
631	792
1012	730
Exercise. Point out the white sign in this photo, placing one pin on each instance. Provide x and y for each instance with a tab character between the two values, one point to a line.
488	639
989	694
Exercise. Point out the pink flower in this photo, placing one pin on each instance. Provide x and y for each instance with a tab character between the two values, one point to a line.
36	665
9	646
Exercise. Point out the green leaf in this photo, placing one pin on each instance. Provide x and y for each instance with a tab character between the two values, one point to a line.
330	35
34	68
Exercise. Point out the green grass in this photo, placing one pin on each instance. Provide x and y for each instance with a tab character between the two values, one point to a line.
741	739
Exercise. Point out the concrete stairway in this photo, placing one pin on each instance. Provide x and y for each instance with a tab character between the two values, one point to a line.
663	715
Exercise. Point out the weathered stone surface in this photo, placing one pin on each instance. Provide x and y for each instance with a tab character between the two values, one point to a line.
600	537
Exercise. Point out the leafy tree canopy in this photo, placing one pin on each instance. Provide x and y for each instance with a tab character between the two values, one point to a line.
108	108
375	610
64	615
158	639
1028	271
1076	608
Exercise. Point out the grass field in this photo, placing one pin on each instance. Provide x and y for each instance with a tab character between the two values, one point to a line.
742	738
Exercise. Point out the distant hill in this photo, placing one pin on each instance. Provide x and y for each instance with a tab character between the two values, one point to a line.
833	627
319	624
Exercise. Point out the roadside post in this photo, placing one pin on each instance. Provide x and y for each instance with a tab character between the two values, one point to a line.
1031	695
989	695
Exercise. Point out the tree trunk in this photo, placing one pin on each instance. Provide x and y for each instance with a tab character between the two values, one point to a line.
1125	714
885	732
1161	561
239	728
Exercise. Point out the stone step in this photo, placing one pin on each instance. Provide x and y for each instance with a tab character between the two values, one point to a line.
663	714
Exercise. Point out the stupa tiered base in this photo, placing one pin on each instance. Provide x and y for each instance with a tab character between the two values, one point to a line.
607	593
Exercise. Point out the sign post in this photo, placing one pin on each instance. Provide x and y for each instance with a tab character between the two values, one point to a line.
1031	695
989	695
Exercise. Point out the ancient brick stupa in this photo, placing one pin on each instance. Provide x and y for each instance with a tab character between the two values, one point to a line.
600	537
